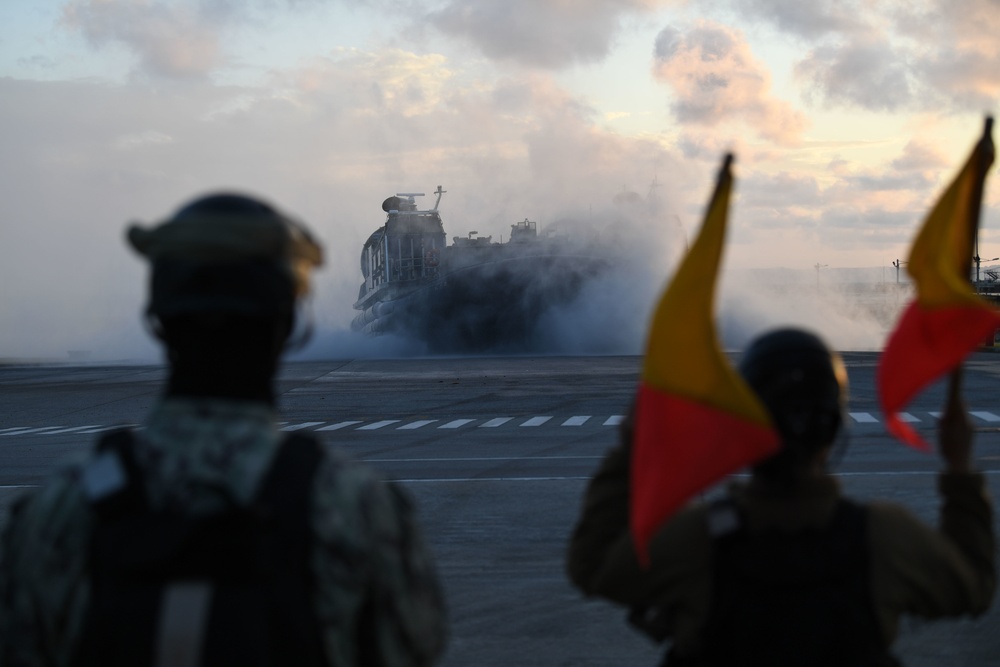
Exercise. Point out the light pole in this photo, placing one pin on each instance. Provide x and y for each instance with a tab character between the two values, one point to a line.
819	266
898	264
977	259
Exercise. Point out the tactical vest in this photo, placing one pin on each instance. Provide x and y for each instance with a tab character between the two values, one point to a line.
790	599
232	588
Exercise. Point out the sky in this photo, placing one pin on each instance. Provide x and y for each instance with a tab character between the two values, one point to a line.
846	119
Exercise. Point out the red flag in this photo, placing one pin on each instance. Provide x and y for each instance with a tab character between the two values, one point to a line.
947	319
696	419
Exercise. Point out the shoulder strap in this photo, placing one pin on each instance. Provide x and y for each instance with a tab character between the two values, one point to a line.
294	631
287	486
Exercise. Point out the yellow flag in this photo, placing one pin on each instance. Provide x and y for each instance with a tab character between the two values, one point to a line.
683	354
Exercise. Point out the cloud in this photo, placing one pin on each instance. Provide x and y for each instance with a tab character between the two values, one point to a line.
715	78
388	81
549	34
804	19
930	56
920	157
170	40
866	72
780	191
37	61
147	138
841	214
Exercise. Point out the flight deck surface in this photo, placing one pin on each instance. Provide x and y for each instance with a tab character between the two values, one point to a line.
497	452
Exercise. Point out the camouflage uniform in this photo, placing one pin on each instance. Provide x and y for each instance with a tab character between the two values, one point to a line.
198	455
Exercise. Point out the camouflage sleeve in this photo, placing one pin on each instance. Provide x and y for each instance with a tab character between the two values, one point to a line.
42	583
378	596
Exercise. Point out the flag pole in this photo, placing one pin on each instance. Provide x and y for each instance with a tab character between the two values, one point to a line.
985	155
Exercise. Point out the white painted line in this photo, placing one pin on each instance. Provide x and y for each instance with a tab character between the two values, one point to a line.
71	430
446	480
455	459
299	427
576	421
457	423
614	420
338	426
488	479
536	421
416	424
548	479
106	428
39	430
982	414
907	417
377	425
863	417
493	423
12	430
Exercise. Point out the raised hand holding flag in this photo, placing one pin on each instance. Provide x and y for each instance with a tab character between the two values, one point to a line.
946	319
696	419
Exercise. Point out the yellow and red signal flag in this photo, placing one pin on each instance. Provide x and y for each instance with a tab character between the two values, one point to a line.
696	420
947	319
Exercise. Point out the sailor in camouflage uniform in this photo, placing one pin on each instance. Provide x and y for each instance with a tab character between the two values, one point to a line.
227	272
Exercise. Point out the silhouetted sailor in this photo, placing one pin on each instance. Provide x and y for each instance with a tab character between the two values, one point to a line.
209	537
783	570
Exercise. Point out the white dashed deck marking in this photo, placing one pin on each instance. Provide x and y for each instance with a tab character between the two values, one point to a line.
378	425
338	426
299	427
416	424
493	423
458	423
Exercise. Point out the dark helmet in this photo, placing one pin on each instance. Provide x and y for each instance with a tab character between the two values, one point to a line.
803	384
227	254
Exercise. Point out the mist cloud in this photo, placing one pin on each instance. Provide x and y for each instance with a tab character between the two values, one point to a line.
321	141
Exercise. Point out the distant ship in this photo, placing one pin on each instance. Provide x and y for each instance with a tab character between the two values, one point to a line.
473	295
